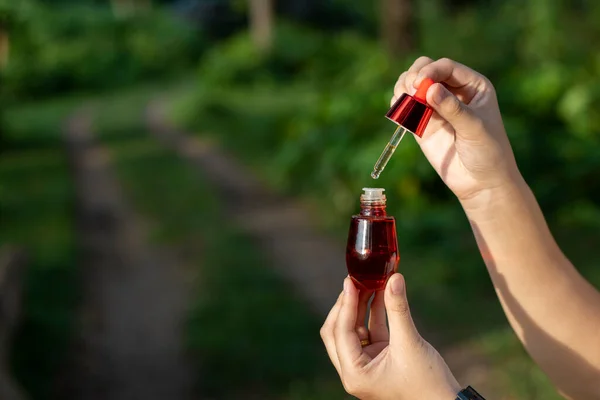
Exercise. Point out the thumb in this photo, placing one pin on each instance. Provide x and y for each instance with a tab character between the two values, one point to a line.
449	107
402	328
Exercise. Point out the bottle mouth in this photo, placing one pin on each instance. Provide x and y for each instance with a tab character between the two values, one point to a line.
373	196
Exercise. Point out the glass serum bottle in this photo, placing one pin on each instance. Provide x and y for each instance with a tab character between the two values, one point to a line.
372	250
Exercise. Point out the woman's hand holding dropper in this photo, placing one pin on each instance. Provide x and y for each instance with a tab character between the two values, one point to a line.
552	308
465	140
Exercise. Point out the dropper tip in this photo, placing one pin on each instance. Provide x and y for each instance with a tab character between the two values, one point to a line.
375	174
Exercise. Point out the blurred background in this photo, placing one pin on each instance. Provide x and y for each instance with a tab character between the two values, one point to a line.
177	178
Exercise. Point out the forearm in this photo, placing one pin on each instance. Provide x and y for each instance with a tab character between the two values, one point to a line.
552	308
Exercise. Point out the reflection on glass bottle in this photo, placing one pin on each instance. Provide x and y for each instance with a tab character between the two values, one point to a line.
372	250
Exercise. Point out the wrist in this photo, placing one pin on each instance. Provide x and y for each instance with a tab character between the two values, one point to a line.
449	391
486	203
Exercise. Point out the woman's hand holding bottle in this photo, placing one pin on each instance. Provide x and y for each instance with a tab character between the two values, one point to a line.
398	363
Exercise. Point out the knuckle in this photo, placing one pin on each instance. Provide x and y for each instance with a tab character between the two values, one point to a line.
401	309
445	60
410	78
488	86
402	77
428	69
399	86
423	59
347	388
324	332
454	107
350	386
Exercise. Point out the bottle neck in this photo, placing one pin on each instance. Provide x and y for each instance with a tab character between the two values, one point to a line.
372	210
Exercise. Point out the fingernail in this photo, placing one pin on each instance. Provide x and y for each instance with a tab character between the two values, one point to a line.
398	285
362	332
347	285
439	94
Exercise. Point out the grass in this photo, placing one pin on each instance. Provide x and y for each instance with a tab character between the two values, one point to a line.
37	212
36	199
252	336
515	374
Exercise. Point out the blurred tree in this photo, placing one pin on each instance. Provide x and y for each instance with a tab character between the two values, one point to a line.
396	26
121	8
261	23
12	14
144	4
4	45
125	8
216	19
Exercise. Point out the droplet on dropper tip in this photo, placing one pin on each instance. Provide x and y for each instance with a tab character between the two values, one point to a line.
375	174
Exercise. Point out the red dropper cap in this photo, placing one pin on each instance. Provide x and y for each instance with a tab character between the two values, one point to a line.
412	112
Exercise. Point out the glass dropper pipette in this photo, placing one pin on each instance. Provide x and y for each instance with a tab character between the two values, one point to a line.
388	151
412	114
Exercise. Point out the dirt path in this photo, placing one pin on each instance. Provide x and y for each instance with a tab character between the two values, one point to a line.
312	261
134	297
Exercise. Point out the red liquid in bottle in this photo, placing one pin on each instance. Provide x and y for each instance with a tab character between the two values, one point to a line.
372	251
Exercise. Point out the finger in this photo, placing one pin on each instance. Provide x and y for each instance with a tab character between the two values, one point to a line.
327	333
361	315
457	113
347	344
403	332
399	87
454	74
378	329
413	71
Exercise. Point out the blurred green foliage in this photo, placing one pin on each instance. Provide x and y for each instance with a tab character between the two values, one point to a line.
36	200
312	124
309	117
310	113
85	47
